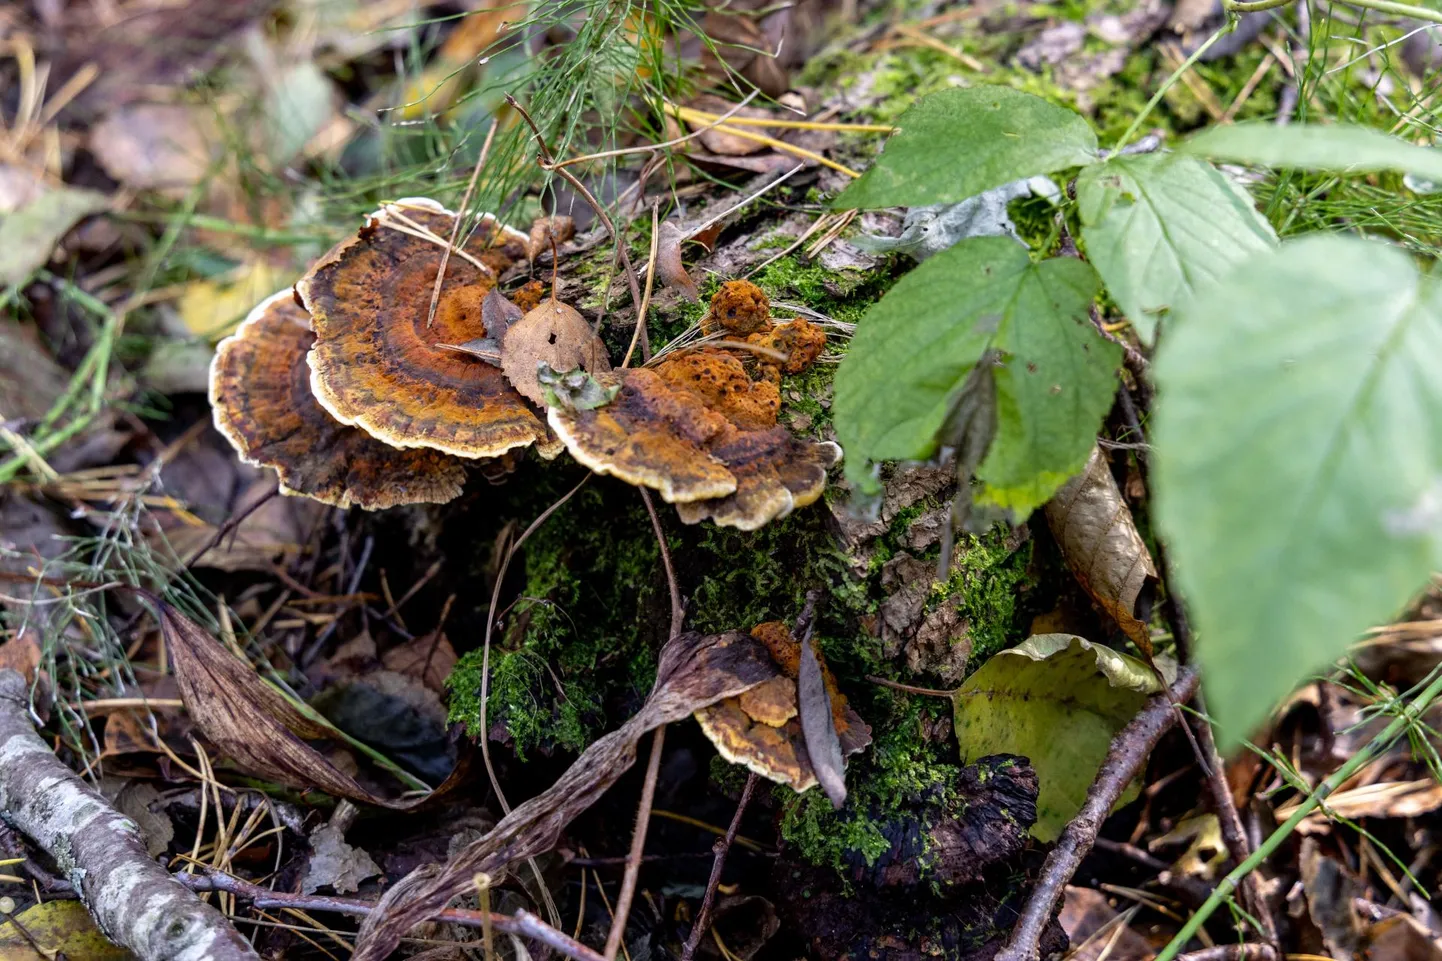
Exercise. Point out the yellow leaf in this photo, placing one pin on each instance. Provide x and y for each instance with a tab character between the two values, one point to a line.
58	927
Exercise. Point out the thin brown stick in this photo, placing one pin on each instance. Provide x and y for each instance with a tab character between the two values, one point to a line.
522	923
720	849
231	524
1234	833
1125	758
911	688
1232	952
486	680
653	763
456	227
650	279
548	162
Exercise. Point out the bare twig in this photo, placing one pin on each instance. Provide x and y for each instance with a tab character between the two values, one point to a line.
650	279
1125	758
1233	952
486	679
456	227
134	900
548	162
720	849
522	923
653	763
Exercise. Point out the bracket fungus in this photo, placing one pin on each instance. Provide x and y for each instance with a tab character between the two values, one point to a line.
262	403
674	435
377	362
761	728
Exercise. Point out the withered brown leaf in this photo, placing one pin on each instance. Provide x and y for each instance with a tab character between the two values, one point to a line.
252	724
668	262
822	743
552	333
1101	546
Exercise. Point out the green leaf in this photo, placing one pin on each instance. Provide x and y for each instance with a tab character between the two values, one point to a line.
58	927
1343	148
1057	699
1159	227
913	351
1299	460
957	143
32	232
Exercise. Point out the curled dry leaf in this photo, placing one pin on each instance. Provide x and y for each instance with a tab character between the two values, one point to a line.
1100	543
695	670
822	743
250	722
262	403
668	262
763	729
546	231
378	364
554	334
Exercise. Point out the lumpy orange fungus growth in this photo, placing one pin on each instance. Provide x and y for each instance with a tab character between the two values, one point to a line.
739	307
761	729
377	362
262	403
700	431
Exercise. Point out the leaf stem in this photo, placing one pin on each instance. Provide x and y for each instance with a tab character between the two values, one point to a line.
1186	65
1314	800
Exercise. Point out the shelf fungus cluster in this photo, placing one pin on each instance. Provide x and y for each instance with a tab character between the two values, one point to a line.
355	393
698	427
762	728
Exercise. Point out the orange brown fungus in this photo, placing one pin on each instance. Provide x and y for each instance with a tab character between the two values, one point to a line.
528	295
262	402
800	340
377	364
721	382
739	307
761	729
664	436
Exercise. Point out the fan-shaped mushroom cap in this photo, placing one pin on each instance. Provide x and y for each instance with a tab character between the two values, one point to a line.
775	473
664	434
650	436
376	363
262	402
761	729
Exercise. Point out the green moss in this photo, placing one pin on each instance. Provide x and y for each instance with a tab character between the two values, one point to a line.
987	579
885	783
575	640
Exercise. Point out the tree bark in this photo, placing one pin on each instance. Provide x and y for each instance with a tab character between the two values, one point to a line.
134	901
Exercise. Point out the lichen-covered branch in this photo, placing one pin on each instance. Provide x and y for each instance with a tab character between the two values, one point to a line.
100	851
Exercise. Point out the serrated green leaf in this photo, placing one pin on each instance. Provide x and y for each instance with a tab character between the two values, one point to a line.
957	143
1343	148
1159	227
1058	700
32	232
915	348
1299	460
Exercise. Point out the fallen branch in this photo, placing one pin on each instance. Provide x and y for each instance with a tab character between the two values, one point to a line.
134	901
522	923
1127	755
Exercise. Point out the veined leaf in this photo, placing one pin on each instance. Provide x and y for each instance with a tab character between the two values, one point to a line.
914	350
1299	460
1159	227
957	143
1343	148
1056	699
